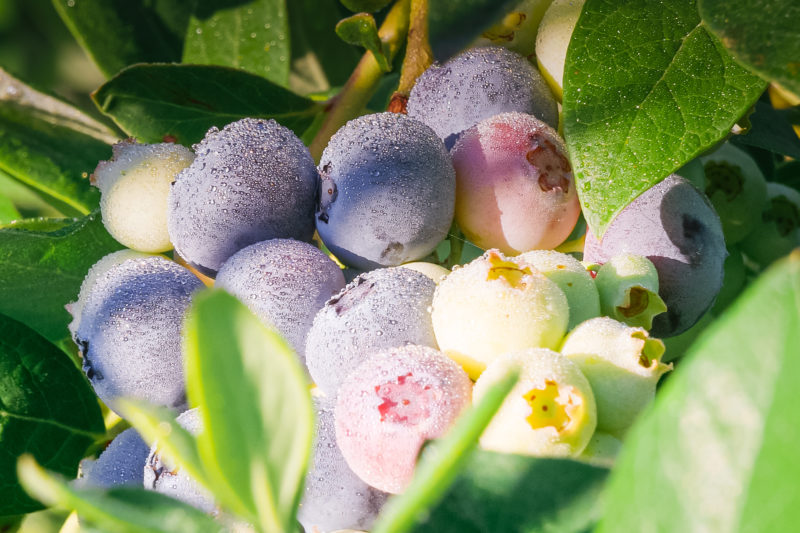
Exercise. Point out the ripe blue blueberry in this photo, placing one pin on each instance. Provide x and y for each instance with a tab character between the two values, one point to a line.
121	463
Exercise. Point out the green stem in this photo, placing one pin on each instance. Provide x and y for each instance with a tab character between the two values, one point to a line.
419	55
363	82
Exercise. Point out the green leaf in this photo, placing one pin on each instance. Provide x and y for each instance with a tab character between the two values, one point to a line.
761	34
8	213
454	25
47	409
518	494
50	146
646	89
770	130
360	30
248	34
441	461
121	510
181	102
117	34
368	6
320	60
256	408
42	270
716	452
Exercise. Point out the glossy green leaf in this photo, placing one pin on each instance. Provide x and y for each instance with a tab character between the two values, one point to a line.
47	409
181	102
252	35
771	130
42	267
360	30
50	146
717	453
441	461
761	34
646	89
8	213
367	6
256	409
120	510
518	494
117	34
320	59
454	25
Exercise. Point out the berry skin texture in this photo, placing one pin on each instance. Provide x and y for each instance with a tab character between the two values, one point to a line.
572	278
552	41
120	464
514	185
676	228
335	497
284	282
379	309
628	286
550	412
134	186
478	84
495	305
130	331
737	190
777	232
175	482
623	365
390	405
252	181
387	191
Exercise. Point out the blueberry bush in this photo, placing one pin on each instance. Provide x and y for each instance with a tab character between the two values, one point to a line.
403	265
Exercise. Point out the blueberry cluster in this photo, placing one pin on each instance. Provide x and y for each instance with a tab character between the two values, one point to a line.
400	351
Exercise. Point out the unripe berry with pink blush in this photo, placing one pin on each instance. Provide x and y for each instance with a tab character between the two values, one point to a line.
514	185
390	405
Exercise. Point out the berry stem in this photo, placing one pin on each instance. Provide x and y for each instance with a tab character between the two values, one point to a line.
363	82
419	55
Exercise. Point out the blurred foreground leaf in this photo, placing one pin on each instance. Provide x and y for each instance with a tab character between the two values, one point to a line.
646	89
47	409
717	451
181	102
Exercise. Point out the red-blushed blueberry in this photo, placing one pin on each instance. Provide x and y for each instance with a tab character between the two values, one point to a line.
387	191
514	185
251	181
390	405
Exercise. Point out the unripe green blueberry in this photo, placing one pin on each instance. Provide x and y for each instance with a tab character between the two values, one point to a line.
622	363
777	232
494	305
432	270
552	41
736	188
733	281
134	185
572	278
602	450
550	411
628	286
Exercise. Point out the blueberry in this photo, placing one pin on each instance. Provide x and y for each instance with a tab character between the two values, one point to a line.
335	497
676	228
130	331
251	181
387	191
121	463
284	282
379	309
476	85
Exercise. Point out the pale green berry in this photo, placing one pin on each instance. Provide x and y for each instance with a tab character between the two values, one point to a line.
628	287
555	32
433	271
134	186
622	363
495	305
550	411
572	278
